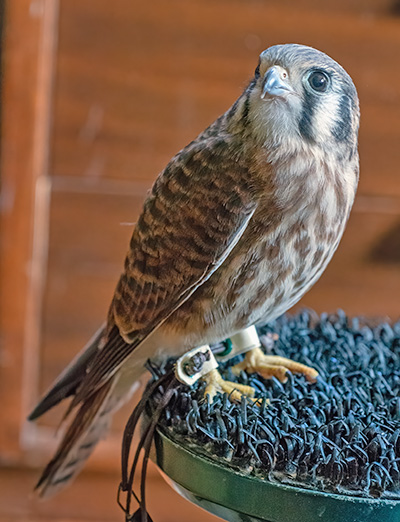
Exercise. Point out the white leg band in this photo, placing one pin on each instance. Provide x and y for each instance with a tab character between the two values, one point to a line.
200	361
241	342
194	364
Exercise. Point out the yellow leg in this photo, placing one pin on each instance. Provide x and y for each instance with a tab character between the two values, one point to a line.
273	366
216	384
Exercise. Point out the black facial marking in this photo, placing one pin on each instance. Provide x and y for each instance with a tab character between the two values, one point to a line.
342	129
306	118
233	109
246	105
257	72
246	108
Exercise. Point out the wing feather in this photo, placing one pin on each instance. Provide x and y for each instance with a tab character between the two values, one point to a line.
175	247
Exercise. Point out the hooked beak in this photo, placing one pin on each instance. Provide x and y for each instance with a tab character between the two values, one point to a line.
276	82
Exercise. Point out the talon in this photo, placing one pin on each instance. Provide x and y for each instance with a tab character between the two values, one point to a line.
272	366
216	384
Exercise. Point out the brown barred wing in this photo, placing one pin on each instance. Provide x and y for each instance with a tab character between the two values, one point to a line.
198	209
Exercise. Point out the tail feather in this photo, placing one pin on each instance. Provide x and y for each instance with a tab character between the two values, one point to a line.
92	413
69	380
90	424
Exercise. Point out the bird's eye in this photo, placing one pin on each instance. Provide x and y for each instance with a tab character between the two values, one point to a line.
318	81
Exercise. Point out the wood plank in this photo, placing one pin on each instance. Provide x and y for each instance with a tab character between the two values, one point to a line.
91	497
136	84
88	239
27	65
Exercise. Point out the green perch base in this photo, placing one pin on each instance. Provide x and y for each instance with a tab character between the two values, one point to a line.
236	497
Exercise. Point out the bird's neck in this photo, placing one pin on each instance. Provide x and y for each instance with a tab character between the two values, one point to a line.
297	172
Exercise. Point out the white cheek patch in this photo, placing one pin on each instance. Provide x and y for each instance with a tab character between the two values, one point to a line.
326	116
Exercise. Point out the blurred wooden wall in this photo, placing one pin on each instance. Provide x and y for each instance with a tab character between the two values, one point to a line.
97	96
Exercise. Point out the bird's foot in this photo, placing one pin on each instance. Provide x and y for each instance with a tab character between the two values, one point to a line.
200	363
272	366
216	384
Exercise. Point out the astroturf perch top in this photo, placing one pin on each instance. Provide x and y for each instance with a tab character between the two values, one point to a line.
341	434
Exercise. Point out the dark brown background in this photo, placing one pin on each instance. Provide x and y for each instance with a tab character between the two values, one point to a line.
96	97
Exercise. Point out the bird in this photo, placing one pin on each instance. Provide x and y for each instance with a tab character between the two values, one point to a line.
237	227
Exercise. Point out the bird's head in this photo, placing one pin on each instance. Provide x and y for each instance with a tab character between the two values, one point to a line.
300	96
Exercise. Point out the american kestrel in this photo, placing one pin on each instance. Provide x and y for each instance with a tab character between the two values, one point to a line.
238	226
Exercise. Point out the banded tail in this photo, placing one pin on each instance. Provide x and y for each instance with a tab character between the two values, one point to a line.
91	421
90	424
